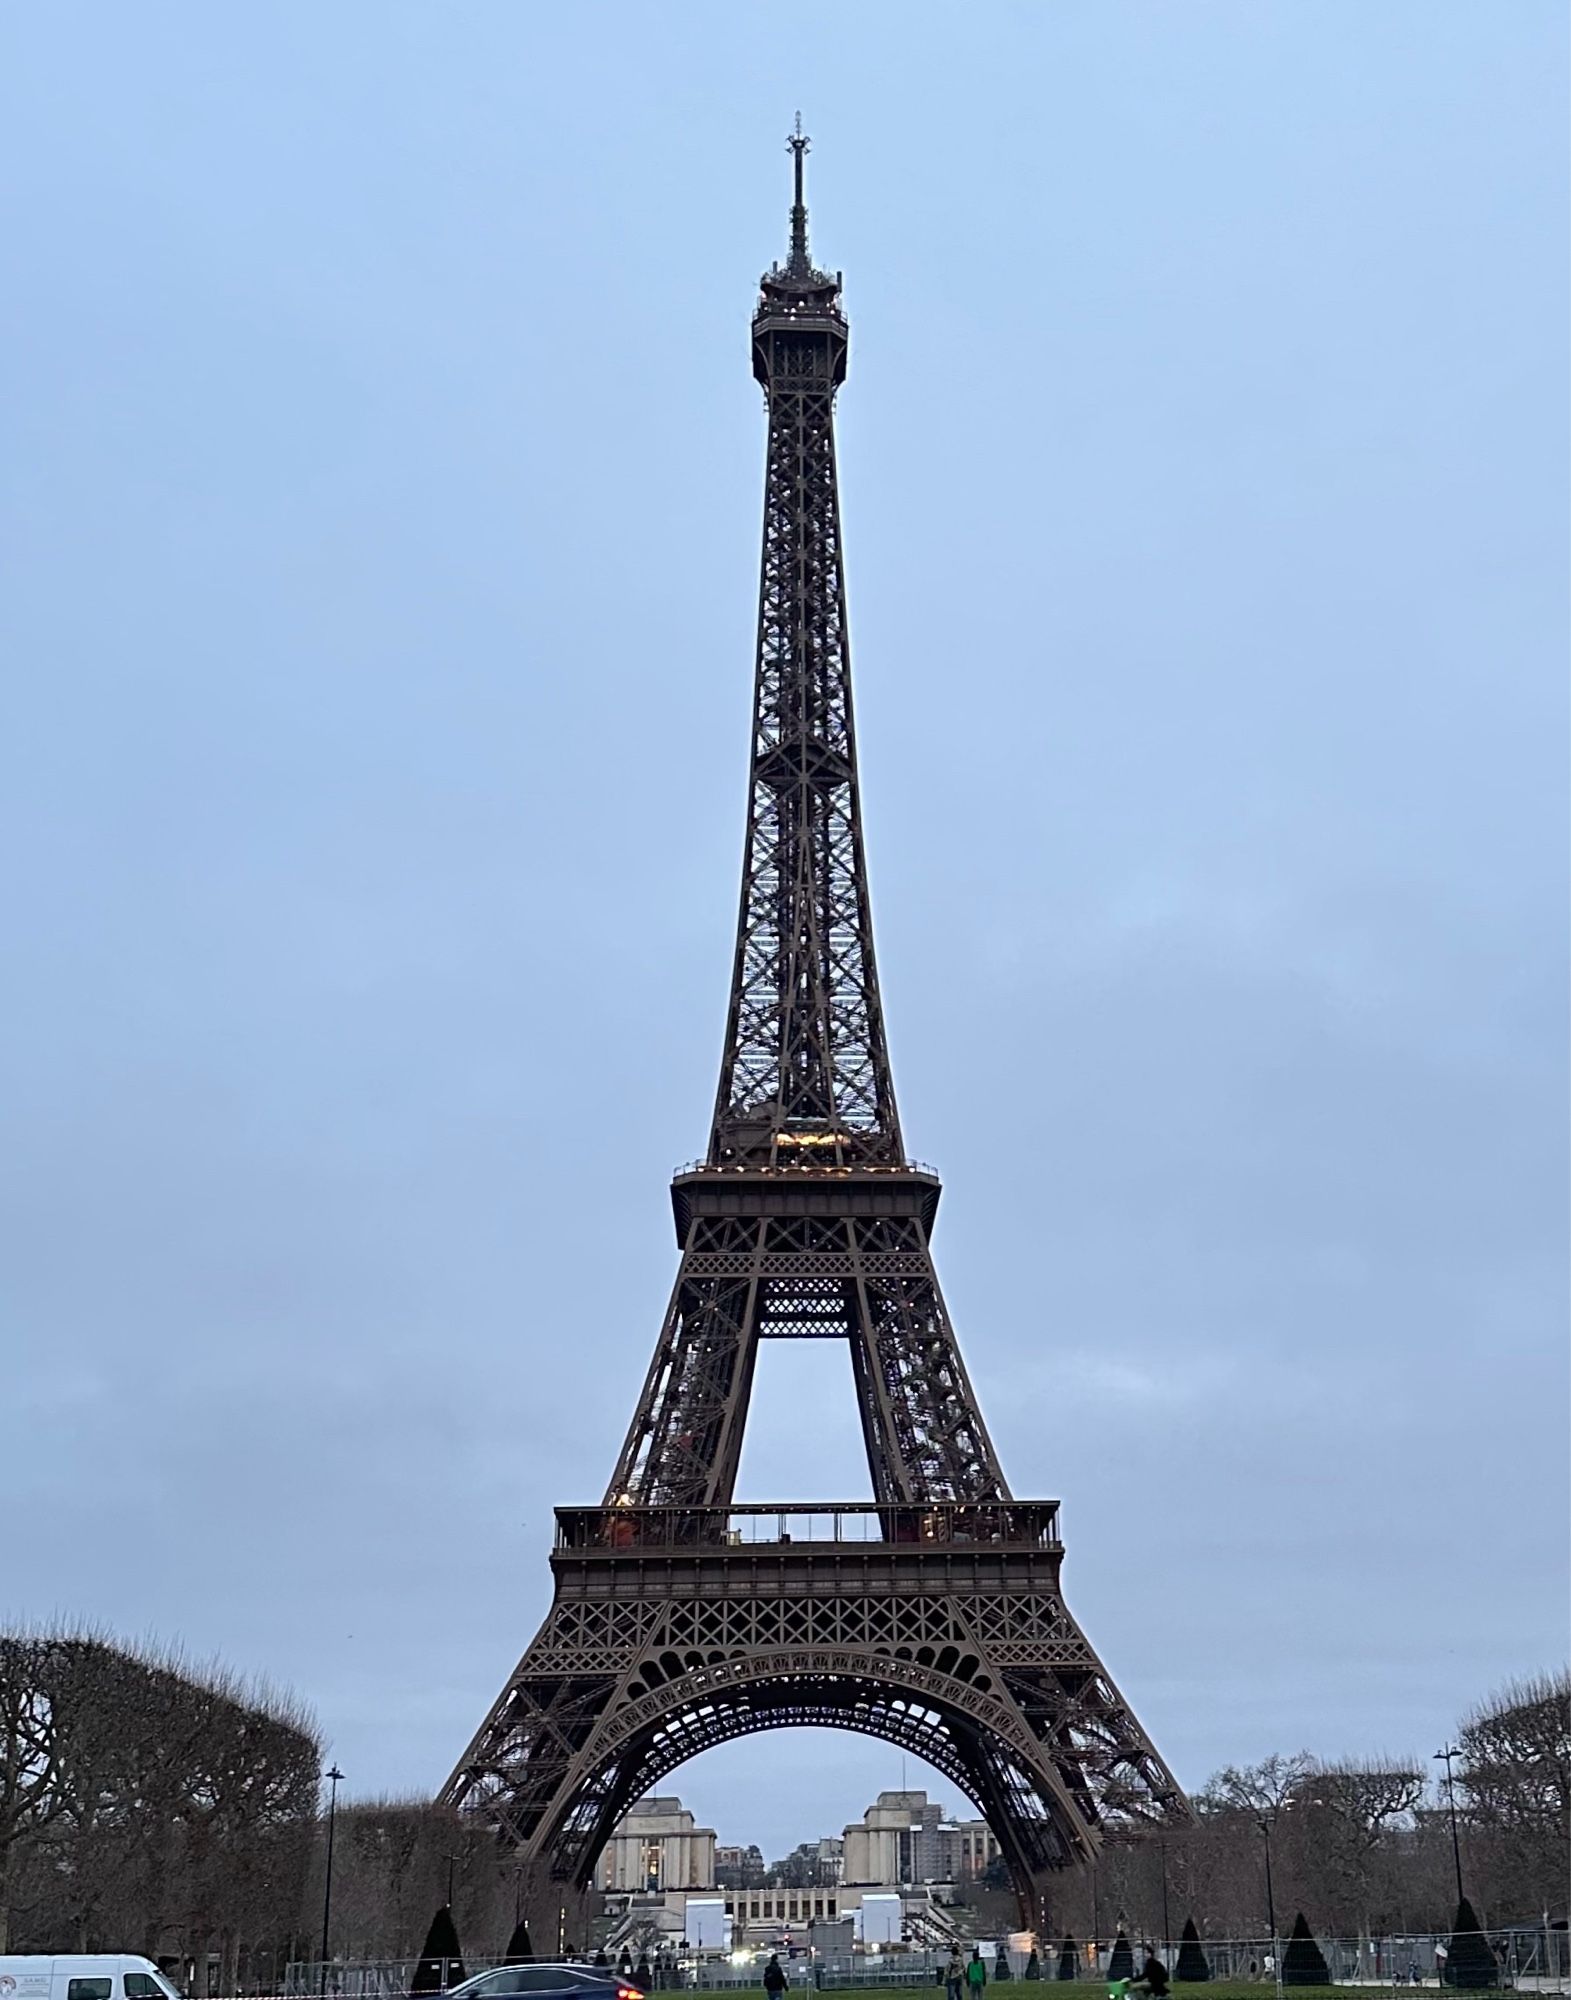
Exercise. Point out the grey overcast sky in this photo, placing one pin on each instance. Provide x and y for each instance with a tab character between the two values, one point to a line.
380	507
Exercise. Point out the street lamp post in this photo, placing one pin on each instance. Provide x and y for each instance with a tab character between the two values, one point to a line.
1265	1829
1444	1757
335	1778
1167	1928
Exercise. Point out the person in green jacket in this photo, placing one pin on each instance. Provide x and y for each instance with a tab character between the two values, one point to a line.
976	1973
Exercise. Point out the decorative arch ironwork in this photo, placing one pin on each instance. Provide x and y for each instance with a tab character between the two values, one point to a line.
952	1717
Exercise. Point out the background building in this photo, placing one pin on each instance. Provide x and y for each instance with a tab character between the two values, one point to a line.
657	1848
658	1854
974	1851
739	1867
816	1864
903	1839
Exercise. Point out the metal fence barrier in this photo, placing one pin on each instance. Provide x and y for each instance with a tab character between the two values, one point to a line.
1530	1959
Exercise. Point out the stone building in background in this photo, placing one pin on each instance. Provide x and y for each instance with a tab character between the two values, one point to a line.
740	1867
659	1856
658	1848
903	1839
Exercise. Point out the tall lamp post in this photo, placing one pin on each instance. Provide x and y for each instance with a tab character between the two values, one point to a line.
1265	1829
1444	1757
335	1778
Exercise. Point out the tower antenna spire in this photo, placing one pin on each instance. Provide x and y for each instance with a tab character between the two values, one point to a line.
798	144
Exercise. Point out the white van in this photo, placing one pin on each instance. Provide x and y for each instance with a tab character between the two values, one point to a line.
84	1976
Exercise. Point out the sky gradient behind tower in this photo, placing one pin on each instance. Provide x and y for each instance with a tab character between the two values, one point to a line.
381	499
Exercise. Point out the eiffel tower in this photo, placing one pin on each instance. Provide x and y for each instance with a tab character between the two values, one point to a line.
932	1616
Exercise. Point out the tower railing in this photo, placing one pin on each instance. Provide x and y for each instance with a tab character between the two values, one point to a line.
809	1165
1030	1524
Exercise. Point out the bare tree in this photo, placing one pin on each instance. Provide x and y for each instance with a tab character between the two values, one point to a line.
1346	1819
390	1870
142	1801
1263	1788
31	1795
1515	1786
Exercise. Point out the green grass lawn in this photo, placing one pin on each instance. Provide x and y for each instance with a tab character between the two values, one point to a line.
1096	1989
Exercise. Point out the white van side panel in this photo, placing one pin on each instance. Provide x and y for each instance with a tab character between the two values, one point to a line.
44	1976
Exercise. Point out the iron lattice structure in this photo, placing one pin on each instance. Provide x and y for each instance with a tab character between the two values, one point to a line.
933	1616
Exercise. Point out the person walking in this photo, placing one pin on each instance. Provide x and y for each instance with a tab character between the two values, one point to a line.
976	1974
954	1976
774	1977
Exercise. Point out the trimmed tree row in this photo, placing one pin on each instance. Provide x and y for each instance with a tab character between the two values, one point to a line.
1470	1964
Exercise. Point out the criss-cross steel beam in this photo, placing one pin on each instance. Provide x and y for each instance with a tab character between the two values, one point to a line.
805	1071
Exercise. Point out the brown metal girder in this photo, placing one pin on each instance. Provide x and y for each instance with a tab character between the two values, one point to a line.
838	1191
636	1713
892	1478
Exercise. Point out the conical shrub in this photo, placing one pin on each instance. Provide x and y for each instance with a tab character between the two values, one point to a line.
440	1964
1001	1966
519	1950
1033	1966
1470	1963
1122	1963
1068	1964
1303	1963
1191	1964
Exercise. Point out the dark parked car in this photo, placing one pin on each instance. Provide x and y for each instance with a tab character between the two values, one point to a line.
562	1982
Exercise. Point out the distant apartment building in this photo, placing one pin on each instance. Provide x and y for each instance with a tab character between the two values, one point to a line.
903	1839
739	1867
816	1864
